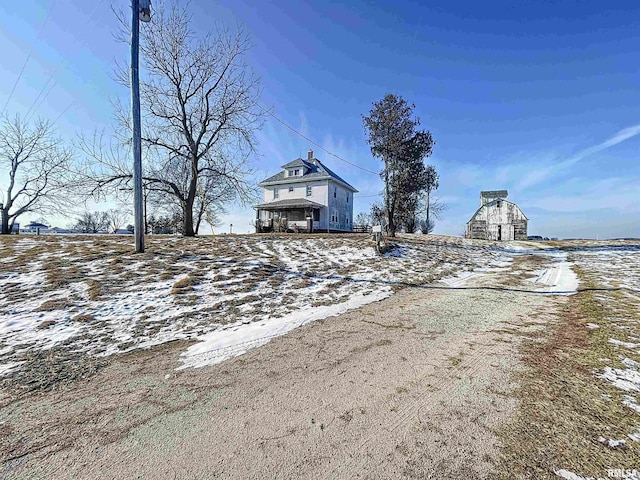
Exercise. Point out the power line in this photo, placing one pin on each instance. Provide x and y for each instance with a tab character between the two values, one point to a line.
316	143
6	104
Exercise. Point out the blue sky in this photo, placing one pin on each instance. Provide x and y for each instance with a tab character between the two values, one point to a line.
540	99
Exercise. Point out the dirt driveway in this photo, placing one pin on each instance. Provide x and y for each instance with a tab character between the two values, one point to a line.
412	386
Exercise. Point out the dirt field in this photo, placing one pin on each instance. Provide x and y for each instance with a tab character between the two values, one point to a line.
422	384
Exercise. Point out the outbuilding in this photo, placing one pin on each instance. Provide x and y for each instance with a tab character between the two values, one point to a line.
497	218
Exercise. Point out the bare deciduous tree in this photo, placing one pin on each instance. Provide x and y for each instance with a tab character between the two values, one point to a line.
116	219
92	222
37	168
433	208
200	111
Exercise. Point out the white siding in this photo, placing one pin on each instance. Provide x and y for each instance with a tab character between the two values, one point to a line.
339	207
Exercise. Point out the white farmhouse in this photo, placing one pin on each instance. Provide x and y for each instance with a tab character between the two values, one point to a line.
305	196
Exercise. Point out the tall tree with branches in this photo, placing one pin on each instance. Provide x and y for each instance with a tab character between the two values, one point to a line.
36	165
393	137
199	104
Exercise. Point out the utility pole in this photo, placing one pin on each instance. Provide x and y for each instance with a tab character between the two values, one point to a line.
140	10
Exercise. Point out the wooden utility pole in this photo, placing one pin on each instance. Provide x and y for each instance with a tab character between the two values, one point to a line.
138	210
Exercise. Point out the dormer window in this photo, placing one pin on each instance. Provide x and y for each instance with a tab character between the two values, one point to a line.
296	172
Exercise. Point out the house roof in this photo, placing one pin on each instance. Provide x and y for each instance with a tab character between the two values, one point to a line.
289	203
493	202
317	171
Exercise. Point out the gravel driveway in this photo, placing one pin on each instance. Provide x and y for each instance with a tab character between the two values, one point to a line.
411	386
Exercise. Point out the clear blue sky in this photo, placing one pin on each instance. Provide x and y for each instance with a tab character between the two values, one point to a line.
541	99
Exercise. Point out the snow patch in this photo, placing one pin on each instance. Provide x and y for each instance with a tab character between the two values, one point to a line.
627	380
611	443
559	279
566	474
216	347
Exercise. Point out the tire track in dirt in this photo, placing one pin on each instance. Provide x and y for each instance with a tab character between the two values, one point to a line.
466	369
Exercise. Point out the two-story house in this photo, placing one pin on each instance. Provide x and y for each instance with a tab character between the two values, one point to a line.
305	193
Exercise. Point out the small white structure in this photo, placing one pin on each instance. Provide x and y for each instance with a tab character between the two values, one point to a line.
497	219
305	196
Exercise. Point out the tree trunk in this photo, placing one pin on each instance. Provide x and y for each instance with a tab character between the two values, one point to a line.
428	205
188	219
4	230
391	224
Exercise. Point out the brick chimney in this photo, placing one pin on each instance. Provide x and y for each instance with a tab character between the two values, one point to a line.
310	155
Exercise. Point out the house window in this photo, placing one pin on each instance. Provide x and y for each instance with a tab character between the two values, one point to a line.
290	189
334	192
308	190
275	193
347	198
296	172
316	215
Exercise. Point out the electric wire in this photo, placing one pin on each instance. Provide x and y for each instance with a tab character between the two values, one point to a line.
316	143
24	65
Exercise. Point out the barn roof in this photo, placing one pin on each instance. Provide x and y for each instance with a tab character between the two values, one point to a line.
494	202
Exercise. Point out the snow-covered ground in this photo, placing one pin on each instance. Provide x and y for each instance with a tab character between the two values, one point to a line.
88	295
84	295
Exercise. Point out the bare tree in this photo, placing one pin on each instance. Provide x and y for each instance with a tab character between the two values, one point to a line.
432	210
92	222
200	111
116	219
363	219
37	166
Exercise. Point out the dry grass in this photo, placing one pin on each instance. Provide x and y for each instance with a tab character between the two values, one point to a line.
182	286
54	304
563	408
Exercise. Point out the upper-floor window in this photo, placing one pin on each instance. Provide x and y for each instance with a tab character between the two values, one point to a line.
296	172
347	197
275	193
308	190
335	190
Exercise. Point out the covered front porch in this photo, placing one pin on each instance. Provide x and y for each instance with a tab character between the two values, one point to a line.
291	215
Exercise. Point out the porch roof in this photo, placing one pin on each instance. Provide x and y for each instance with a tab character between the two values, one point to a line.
288	204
